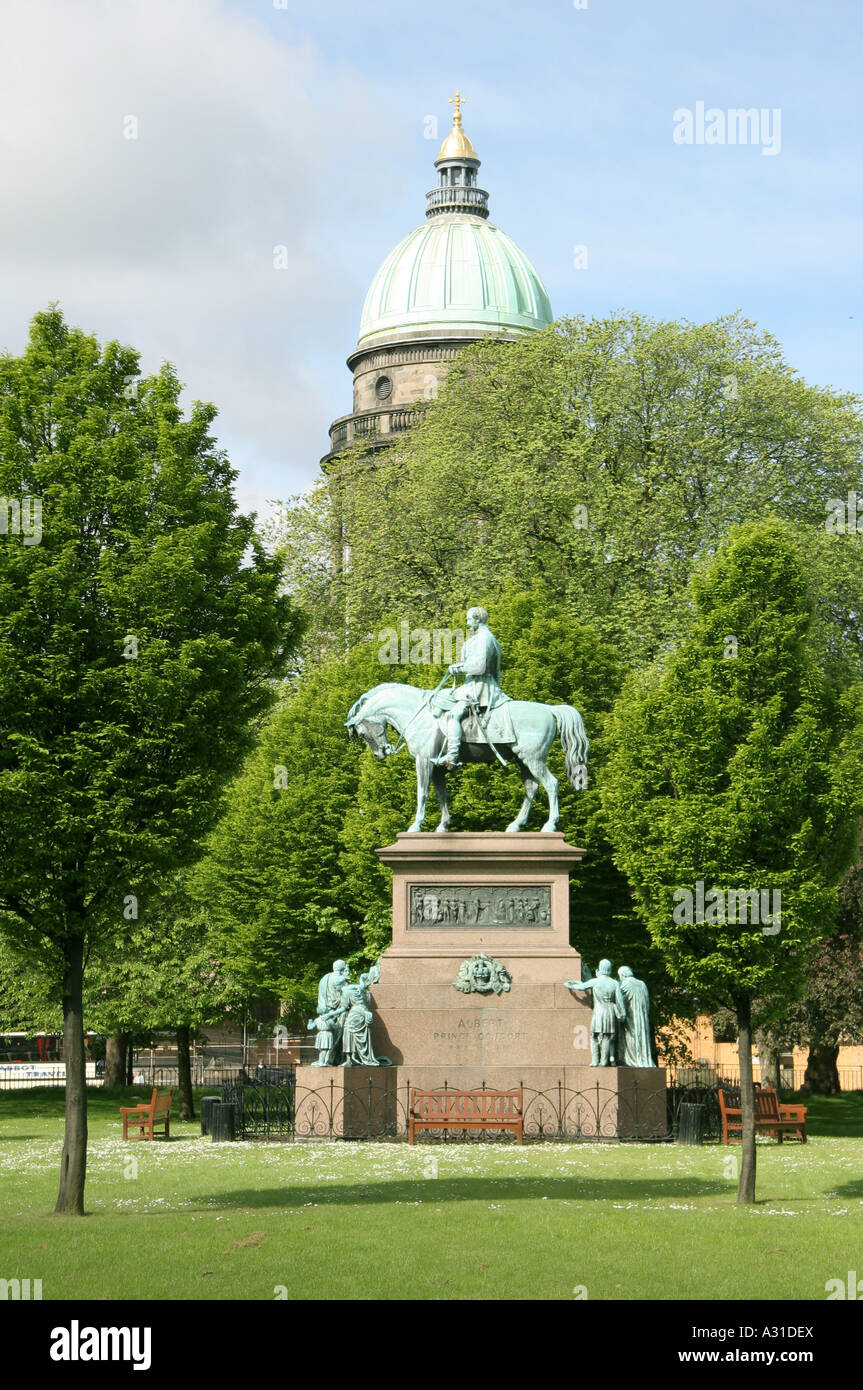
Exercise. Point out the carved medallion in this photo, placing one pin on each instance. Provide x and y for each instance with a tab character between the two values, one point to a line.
482	975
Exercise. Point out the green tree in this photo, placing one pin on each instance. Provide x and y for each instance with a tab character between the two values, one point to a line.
29	999
830	1011
270	880
604	456
164	977
736	764
139	640
158	975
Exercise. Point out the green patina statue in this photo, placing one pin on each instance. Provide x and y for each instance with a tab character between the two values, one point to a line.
481	691
620	1023
634	1046
474	722
608	1011
356	1033
344	1018
328	1023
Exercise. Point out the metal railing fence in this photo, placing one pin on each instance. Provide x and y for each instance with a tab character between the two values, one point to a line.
596	1114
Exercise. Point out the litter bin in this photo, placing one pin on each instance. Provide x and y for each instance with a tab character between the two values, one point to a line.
222	1114
690	1123
207	1103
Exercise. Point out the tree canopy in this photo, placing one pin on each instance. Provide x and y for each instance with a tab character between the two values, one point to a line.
606	456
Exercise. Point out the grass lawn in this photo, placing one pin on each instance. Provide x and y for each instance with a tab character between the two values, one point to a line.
188	1219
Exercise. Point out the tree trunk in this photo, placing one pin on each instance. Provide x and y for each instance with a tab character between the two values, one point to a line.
768	1056
129	1060
746	1185
73	1160
115	1058
184	1075
822	1075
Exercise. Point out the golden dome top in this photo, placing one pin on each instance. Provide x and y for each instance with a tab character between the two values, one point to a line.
456	145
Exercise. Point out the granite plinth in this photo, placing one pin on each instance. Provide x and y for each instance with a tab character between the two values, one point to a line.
431	915
517	889
481	1032
507	895
575	1102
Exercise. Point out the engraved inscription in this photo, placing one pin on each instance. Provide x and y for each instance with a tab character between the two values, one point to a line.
452	906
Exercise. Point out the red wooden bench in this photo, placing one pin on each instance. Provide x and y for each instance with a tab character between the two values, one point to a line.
466	1110
770	1117
145	1118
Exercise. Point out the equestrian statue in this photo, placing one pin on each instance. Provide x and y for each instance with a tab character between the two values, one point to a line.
474	722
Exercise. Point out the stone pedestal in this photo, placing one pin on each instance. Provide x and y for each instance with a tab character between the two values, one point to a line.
455	896
574	1102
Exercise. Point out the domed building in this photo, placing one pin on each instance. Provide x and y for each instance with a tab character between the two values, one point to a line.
453	280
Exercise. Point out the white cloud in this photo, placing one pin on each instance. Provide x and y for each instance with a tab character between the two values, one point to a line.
167	241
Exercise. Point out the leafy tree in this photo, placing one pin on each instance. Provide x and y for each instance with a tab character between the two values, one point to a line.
830	1011
604	456
170	981
29	999
305	532
736	764
139	640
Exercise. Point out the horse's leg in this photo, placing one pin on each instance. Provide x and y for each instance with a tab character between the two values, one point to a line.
549	781
423	769
439	780
530	786
541	771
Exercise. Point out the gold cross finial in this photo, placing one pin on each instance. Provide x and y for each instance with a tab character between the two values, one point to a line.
459	101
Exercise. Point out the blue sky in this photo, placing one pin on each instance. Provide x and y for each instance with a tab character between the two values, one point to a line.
304	127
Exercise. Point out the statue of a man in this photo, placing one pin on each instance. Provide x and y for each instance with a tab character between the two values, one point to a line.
608	1011
481	690
332	1008
636	1050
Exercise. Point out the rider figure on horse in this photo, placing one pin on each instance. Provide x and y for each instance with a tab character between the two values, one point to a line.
481	691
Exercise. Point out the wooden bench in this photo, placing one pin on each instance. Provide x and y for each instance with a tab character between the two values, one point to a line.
789	1114
770	1117
146	1118
465	1110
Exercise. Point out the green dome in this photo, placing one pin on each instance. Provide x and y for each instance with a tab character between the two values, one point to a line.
454	273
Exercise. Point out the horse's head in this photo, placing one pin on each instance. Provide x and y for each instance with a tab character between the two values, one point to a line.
370	726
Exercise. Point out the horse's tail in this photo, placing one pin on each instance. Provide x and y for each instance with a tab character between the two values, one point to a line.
576	744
